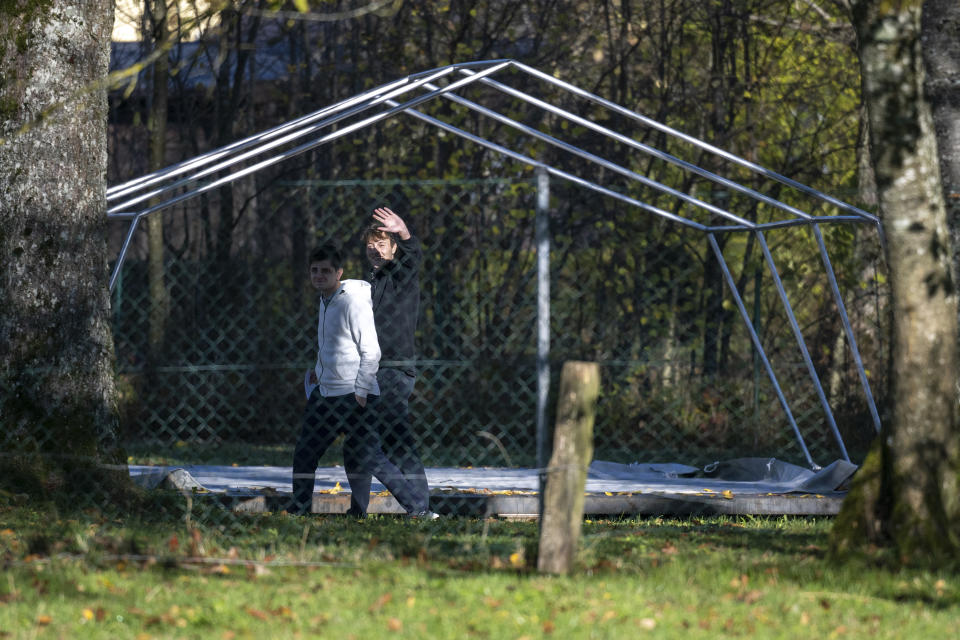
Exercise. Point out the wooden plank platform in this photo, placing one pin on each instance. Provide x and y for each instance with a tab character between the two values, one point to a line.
526	506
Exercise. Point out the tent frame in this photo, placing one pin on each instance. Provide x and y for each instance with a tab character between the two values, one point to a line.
154	192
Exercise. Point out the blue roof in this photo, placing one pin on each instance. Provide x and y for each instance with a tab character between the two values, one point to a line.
196	64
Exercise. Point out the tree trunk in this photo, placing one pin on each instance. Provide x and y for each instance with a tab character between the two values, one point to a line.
906	497
940	38
157	125
58	403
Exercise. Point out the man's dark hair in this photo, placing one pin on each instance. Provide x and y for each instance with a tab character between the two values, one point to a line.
376	233
327	251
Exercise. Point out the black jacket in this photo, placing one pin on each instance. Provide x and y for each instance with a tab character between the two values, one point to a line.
396	304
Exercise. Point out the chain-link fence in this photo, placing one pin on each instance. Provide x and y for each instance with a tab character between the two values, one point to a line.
221	380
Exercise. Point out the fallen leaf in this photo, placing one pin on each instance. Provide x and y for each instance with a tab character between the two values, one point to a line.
256	613
394	624
44	620
381	601
649	624
336	489
726	493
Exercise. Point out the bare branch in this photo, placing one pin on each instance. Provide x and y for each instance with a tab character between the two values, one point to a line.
311	16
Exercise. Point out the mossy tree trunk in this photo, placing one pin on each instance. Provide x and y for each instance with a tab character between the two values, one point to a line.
906	497
57	392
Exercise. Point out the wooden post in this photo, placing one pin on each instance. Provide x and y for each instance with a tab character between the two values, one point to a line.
561	517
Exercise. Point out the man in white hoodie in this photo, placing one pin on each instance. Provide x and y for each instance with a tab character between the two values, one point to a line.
341	384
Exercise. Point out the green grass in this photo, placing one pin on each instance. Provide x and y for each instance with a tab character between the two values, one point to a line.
214	574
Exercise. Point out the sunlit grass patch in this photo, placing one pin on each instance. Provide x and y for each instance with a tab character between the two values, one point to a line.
159	574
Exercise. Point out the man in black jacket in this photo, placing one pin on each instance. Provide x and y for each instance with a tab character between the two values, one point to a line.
395	257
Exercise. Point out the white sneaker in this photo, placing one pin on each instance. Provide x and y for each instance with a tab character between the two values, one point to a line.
424	515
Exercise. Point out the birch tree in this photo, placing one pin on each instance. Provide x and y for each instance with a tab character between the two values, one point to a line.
906	495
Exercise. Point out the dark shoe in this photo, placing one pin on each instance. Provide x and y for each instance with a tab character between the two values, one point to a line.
295	509
353	512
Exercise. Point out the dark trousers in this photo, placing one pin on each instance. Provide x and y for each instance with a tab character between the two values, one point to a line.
393	422
323	420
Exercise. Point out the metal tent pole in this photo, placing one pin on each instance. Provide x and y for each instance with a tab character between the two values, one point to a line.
289	137
635	144
374	94
756	343
798	334
554	171
694	141
603	162
851	339
123	252
543	316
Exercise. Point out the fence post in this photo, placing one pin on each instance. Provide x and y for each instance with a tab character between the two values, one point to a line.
561	516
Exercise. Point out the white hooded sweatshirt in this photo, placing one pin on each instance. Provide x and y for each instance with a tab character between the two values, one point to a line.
349	353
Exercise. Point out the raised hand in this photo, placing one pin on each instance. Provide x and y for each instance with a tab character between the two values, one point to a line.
391	222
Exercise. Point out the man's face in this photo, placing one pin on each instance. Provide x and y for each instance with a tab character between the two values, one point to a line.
380	250
324	277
